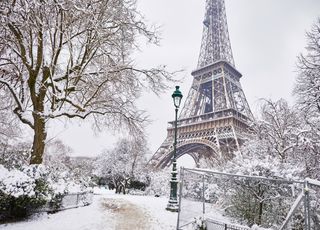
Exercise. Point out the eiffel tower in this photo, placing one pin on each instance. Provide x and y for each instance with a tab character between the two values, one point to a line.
215	119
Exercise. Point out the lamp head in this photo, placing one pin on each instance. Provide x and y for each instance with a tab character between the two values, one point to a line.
177	96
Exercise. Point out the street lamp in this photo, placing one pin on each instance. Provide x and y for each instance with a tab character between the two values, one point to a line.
173	201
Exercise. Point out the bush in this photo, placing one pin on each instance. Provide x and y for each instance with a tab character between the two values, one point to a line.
158	184
20	193
22	206
56	202
28	189
137	185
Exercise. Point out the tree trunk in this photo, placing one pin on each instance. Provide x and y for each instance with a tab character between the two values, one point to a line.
39	138
260	192
38	100
259	222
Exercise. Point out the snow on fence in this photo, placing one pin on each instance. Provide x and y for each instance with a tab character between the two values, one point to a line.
201	190
212	225
75	200
70	200
217	225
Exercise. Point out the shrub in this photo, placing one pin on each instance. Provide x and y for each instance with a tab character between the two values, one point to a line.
56	202
26	189
138	185
20	193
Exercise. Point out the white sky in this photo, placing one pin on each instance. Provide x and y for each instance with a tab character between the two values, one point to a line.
266	36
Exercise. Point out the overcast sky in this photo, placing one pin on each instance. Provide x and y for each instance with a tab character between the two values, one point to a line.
266	37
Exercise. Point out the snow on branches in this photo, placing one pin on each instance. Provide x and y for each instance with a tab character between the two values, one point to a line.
73	59
307	88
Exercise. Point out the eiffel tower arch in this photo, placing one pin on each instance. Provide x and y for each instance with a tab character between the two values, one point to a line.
215	119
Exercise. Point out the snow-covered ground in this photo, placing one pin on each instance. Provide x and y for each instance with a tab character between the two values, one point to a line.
107	212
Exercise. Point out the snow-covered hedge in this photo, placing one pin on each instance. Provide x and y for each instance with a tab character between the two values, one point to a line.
28	189
22	191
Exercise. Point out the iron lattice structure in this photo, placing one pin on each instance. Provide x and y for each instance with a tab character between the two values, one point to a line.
215	119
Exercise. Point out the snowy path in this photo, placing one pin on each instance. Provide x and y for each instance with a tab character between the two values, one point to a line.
107	212
126	214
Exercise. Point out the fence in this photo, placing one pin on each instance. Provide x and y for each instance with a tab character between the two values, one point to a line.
217	225
272	202
71	200
212	225
75	200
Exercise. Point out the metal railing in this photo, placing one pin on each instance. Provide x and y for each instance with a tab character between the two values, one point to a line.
74	200
198	194
214	225
71	200
217	225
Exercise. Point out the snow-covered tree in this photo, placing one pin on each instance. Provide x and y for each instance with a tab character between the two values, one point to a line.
15	155
81	169
307	88
123	163
260	202
285	147
279	127
273	153
9	125
72	59
307	92
62	165
158	182
57	154
57	159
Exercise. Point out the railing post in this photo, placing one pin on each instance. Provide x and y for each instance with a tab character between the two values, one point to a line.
77	200
180	195
306	206
203	198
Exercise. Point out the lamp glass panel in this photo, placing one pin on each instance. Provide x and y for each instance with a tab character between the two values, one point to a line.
177	101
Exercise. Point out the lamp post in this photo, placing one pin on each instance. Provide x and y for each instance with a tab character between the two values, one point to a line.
173	201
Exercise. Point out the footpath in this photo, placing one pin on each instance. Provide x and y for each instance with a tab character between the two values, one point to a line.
108	211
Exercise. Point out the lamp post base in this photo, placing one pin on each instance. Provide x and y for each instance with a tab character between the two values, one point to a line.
173	206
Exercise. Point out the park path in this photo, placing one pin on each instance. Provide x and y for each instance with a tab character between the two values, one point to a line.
126	215
108	211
